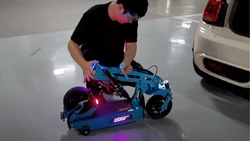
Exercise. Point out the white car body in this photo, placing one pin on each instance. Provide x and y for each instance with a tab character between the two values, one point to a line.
222	45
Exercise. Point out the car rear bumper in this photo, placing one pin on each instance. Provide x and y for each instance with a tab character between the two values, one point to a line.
221	57
225	75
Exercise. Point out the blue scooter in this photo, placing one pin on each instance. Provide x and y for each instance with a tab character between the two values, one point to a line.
86	112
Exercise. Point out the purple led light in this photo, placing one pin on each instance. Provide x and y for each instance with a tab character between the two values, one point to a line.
118	119
120	139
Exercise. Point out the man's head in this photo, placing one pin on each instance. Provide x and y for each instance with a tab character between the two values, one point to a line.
132	9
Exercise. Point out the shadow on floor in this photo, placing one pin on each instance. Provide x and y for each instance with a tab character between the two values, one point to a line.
226	88
229	100
143	130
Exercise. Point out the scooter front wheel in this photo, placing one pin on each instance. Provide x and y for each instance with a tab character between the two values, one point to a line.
153	107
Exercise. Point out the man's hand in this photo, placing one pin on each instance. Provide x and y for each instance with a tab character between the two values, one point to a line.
126	67
87	70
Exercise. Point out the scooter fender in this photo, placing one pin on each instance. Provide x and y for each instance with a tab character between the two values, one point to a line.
167	100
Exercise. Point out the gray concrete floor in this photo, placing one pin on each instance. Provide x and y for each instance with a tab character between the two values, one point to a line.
36	70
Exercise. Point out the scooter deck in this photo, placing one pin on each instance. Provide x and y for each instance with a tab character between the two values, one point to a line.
112	107
110	114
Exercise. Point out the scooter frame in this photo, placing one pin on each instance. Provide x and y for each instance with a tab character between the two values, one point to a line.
146	83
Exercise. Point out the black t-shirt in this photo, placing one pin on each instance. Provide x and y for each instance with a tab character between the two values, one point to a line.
101	38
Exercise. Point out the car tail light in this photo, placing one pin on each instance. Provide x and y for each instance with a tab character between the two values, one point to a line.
215	12
212	10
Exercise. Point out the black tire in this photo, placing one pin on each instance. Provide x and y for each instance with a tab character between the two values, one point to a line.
74	96
153	107
84	131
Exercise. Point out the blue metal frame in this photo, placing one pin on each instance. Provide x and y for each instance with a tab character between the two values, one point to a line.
145	83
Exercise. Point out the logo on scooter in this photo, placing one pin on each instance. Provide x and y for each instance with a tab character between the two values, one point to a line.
121	118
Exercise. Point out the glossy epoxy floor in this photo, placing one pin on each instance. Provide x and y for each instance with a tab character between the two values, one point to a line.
36	70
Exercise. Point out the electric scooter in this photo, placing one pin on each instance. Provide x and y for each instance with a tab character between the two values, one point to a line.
87	112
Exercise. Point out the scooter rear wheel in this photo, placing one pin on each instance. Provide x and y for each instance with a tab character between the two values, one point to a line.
84	131
153	107
74	96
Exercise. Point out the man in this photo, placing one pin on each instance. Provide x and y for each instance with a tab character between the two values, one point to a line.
102	33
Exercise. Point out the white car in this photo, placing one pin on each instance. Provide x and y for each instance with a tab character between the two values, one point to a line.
221	44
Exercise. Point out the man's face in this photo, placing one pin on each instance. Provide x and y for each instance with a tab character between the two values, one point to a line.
126	17
123	19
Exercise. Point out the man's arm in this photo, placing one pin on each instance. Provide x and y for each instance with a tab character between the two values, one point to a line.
130	52
76	54
129	55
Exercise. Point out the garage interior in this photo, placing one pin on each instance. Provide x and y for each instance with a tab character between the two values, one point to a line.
36	70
